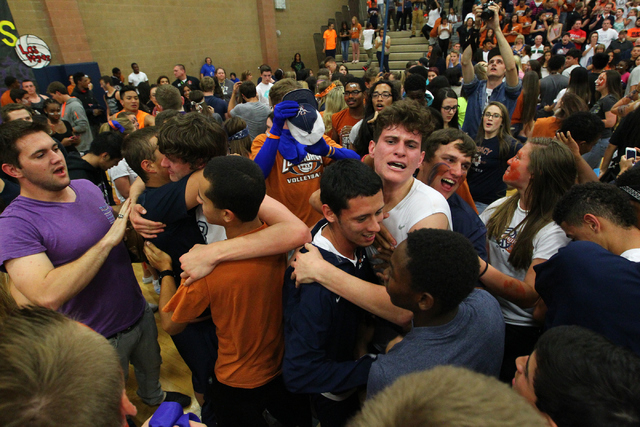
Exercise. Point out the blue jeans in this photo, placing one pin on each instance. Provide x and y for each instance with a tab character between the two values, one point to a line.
345	50
594	157
140	347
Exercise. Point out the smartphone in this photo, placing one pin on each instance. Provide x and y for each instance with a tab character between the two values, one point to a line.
630	153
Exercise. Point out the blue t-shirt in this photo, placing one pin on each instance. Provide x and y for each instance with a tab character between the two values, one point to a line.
219	105
467	222
167	204
586	285
485	175
208	70
474	339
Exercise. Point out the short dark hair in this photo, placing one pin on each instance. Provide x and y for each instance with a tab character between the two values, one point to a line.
193	139
237	184
106	80
629	182
584	127
137	147
164	116
356	80
10	133
596	198
345	180
127	88
133	63
107	142
9	108
582	378
408	114
452	270
264	68
78	76
467	145
169	97
556	62
329	59
574	53
9	80
16	94
600	60
115	70
57	87
248	89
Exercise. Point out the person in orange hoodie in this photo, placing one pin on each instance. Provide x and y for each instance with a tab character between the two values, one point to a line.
11	83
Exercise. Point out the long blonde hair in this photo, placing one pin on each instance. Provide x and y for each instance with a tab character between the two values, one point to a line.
333	102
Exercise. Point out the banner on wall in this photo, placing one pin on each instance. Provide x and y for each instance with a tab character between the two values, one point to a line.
10	63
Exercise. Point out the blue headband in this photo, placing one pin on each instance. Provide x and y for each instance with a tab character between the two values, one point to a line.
239	135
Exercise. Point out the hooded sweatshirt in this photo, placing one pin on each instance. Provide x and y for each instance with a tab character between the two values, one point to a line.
74	113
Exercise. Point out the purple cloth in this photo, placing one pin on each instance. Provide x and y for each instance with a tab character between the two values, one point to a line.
112	301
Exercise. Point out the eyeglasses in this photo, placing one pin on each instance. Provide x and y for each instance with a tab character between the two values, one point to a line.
352	93
452	108
383	95
494	115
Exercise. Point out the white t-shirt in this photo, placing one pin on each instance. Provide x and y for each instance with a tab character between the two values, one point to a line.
606	37
368	36
136	79
469	15
536	52
632	254
546	243
210	232
263	93
433	17
120	170
446	31
567	71
634	79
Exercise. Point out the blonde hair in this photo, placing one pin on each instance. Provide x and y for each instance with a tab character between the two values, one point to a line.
447	396
333	103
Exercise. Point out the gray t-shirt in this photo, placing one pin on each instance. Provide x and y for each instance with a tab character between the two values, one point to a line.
550	86
474	339
255	114
227	89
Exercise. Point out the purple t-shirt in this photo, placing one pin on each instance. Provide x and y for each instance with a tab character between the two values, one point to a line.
112	301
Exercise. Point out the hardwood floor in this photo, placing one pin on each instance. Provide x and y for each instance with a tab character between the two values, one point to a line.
174	373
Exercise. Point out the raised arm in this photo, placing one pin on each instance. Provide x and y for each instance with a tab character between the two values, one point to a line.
467	66
505	50
310	267
40	282
286	232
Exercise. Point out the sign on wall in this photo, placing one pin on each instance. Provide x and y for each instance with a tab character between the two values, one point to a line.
10	64
33	51
280	4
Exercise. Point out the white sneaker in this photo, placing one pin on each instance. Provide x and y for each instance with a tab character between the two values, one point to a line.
156	286
147	279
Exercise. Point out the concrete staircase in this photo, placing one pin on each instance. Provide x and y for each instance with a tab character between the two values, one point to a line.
403	49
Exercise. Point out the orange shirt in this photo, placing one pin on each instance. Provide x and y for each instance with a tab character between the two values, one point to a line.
341	119
245	298
330	37
292	185
526	29
70	88
6	98
140	118
516	117
546	127
511	38
633	32
355	31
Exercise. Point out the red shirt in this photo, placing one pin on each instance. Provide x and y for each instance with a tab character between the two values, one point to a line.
577	34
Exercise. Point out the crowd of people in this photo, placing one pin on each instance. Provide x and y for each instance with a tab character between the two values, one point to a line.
323	245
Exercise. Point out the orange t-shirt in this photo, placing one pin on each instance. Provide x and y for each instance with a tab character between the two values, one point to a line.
526	29
70	88
511	38
292	185
6	98
355	31
341	119
516	117
245	298
140	118
546	127
633	32
330	37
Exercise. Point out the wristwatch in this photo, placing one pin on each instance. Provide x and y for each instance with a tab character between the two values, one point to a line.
163	274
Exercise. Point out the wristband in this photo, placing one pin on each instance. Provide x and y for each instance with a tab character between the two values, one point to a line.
164	274
273	136
486	267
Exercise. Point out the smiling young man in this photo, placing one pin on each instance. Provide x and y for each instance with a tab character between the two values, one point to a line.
447	159
501	66
576	377
321	328
397	151
131	104
343	121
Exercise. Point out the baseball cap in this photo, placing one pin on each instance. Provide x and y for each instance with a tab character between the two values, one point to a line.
307	126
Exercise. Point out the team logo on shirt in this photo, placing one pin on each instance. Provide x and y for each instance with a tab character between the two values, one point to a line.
508	239
309	168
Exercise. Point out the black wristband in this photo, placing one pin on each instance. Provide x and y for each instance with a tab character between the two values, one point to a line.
486	267
164	274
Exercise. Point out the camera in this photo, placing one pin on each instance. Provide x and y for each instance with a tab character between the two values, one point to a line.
486	14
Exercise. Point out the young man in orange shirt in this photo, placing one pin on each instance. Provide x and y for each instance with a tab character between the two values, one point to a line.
245	298
343	121
330	41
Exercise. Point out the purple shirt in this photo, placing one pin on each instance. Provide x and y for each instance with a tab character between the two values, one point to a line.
112	301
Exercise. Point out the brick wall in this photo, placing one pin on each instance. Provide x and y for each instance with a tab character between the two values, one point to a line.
157	34
298	23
